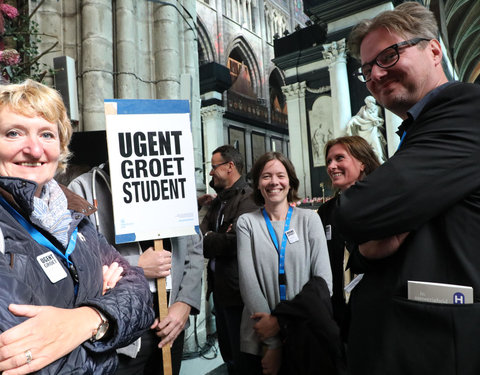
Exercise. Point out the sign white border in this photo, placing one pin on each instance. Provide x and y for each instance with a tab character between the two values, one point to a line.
154	195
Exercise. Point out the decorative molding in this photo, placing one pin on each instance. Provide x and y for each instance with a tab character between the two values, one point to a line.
320	90
331	10
335	51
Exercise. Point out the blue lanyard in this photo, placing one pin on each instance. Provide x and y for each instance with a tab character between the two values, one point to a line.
282	280
42	240
401	139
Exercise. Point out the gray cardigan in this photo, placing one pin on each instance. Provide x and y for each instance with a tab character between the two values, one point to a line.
258	266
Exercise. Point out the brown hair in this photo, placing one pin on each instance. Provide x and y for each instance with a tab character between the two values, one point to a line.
257	171
359	148
31	98
409	19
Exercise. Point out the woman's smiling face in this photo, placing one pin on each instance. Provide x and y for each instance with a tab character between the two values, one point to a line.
274	183
344	170
29	147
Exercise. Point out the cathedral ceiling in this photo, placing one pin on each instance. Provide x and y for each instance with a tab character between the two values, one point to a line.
459	24
462	18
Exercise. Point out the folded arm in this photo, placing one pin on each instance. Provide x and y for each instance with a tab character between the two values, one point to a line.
49	333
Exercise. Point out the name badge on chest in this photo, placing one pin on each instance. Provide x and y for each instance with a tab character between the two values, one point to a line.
328	232
51	267
291	235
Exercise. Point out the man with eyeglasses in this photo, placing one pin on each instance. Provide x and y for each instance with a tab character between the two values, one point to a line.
220	247
417	217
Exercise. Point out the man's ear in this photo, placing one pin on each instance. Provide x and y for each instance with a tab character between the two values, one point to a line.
436	49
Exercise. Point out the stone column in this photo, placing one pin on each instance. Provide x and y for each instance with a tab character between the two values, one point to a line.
219	31
271	26
166	52
266	26
97	61
335	54
240	12
249	12
51	28
213	137
192	91
271	31
228	9
392	122
126	37
235	10
248	146
298	133
244	15
145	63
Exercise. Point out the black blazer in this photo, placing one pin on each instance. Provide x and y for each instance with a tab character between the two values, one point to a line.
430	188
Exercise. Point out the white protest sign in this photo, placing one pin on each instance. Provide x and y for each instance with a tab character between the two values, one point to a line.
150	153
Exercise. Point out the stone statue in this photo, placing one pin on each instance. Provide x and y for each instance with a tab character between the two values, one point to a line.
368	124
319	139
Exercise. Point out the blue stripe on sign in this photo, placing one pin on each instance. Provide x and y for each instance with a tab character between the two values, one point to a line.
124	238
149	106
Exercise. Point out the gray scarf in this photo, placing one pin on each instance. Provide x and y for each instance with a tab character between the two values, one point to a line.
50	212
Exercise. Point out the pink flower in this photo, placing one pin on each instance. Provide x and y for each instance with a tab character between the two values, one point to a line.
9	10
9	57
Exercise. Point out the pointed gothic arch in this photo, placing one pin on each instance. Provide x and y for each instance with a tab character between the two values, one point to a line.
277	99
206	50
241	50
276	80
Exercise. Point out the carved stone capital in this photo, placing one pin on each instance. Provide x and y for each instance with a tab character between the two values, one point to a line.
295	90
335	52
212	112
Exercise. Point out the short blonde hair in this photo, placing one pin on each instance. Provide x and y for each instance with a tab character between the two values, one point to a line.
31	98
410	20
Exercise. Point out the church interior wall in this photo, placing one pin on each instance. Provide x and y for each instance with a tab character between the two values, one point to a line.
118	53
227	35
251	134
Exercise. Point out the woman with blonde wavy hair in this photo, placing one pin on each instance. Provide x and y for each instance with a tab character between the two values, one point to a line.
62	310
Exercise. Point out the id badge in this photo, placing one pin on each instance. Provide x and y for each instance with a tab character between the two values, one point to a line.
328	232
51	267
291	235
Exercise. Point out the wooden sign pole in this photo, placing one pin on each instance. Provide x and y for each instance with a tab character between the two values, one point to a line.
163	312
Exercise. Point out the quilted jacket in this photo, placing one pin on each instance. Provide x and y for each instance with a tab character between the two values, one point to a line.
23	281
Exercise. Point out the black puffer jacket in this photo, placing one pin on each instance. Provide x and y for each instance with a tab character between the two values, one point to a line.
128	305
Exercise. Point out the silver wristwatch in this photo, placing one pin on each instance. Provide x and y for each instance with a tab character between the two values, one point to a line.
99	332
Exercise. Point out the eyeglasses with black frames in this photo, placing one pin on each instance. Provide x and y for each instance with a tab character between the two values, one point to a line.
215	166
385	59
